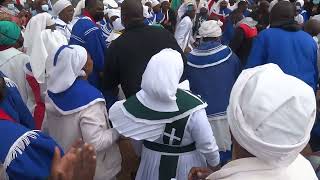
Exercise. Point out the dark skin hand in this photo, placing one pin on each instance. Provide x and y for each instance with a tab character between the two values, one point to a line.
78	163
197	173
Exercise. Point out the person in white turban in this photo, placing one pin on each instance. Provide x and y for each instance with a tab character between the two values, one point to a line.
183	33
171	122
64	11
212	59
271	115
76	109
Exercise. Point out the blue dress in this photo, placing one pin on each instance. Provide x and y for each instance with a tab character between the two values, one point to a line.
212	71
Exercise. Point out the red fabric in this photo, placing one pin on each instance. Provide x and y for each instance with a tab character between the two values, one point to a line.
18	2
4	47
39	110
249	32
86	13
210	4
5	116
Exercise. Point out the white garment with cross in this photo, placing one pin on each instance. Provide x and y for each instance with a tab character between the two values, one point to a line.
172	136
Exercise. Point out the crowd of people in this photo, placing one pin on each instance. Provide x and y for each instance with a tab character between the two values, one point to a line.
159	90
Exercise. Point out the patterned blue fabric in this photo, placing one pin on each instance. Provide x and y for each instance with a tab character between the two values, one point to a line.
34	163
79	95
305	15
86	34
106	28
294	52
14	106
215	81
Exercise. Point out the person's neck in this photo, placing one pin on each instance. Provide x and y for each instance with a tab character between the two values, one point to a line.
134	24
239	153
4	47
88	14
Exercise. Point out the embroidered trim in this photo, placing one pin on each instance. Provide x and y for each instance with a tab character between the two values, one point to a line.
211	64
19	146
10	83
77	38
90	30
209	51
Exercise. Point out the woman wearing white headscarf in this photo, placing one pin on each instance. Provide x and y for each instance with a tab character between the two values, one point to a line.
271	115
63	10
171	122
75	109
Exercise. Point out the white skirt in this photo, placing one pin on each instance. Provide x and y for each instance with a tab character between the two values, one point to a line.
150	163
221	132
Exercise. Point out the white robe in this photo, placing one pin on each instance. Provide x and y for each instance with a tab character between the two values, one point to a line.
197	130
183	33
66	30
255	169
12	64
90	125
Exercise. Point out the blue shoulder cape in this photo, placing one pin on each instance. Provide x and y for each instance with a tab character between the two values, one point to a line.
78	97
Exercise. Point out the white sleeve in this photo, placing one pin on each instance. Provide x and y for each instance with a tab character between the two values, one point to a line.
94	129
202	134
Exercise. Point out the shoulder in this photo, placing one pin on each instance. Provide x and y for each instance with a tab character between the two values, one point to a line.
83	24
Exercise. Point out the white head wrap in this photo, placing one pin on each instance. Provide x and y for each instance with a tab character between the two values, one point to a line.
110	3
183	9
160	81
146	13
211	28
60	6
143	2
114	12
271	114
65	66
301	2
41	48
34	27
161	1
81	5
154	3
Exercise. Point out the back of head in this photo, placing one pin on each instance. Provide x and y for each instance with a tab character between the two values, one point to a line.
90	3
161	78
131	12
312	27
271	114
282	13
64	66
9	33
210	29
